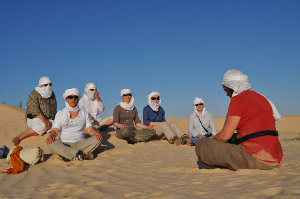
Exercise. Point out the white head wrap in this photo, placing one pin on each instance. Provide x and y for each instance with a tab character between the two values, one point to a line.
198	100
129	106
68	92
152	105
236	80
45	92
88	93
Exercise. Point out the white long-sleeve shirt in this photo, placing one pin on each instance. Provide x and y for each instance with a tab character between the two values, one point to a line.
93	107
196	128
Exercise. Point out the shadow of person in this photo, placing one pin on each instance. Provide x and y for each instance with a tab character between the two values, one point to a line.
105	144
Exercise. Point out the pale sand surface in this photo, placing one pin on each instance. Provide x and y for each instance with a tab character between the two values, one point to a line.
146	170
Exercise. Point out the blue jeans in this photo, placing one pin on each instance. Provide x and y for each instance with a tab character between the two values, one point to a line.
194	139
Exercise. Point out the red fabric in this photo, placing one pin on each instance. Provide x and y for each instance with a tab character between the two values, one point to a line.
256	115
18	166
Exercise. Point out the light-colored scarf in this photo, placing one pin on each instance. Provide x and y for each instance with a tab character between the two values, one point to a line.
152	105
129	106
198	100
45	92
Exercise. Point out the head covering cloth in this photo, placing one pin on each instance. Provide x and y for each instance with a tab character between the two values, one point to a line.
88	93
129	106
198	100
68	92
45	91
152	105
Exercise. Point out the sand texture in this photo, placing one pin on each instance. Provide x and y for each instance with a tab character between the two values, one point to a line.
155	169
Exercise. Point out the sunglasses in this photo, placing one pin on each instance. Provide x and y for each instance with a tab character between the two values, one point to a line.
47	84
153	98
72	97
127	94
92	89
199	104
224	87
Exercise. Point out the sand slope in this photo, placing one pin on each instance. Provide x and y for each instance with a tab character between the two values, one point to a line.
146	170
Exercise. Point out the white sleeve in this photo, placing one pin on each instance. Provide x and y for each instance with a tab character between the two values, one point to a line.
100	106
191	127
88	121
57	121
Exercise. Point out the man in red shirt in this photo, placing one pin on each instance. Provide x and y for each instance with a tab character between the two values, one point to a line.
250	114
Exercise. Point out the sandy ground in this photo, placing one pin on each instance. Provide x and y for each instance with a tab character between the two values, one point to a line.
146	170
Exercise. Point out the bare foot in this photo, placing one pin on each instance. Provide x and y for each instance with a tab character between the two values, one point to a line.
16	141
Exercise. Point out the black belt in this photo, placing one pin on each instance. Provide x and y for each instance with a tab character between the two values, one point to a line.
234	140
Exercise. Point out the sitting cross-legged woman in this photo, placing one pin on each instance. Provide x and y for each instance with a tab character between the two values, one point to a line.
154	117
125	118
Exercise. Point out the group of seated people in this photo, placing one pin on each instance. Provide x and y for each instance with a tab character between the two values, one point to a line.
248	139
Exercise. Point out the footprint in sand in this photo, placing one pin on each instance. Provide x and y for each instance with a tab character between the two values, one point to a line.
273	191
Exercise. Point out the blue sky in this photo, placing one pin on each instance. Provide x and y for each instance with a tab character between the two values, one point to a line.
179	48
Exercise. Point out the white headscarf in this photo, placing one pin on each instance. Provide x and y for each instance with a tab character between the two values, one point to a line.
198	100
129	106
238	82
46	91
152	105
68	92
88	93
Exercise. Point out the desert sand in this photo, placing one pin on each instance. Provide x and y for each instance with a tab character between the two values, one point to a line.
155	169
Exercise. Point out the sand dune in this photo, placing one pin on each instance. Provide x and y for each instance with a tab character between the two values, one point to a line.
146	170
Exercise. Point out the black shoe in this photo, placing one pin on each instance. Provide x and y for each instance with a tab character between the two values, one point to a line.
132	141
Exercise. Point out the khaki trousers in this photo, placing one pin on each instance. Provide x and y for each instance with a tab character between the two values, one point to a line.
70	149
127	133
169	129
216	153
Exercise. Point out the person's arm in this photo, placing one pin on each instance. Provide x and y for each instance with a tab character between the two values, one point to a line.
191	127
91	131
52	135
146	120
116	119
231	123
144	126
99	104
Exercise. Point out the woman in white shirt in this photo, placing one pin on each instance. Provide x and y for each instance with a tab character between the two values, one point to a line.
201	122
71	122
92	103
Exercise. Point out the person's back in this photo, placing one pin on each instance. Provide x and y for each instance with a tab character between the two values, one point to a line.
256	115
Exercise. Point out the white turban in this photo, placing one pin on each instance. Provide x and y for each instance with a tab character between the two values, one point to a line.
152	105
236	80
68	92
198	100
44	80
125	91
71	91
88	93
45	92
129	106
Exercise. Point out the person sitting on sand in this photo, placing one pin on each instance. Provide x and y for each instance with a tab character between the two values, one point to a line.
92	103
71	122
40	112
125	116
256	144
154	117
201	122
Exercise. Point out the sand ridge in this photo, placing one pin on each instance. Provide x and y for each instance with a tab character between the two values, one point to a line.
145	170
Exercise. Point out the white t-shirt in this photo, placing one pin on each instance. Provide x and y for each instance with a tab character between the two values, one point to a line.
71	130
196	128
92	107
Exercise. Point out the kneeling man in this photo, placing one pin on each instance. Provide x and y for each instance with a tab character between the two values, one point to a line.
71	122
40	112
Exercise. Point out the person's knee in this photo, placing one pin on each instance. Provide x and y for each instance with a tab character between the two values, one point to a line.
39	126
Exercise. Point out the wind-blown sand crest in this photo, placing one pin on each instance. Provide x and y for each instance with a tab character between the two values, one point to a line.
145	170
